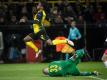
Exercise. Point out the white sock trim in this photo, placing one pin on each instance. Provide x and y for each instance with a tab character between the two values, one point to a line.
105	63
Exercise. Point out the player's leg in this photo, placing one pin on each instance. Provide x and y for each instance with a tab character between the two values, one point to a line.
66	41
44	36
74	70
29	42
55	41
94	73
104	58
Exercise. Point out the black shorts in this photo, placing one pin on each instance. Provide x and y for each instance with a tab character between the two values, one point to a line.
40	35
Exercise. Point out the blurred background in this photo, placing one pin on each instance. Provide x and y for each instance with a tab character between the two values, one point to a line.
90	17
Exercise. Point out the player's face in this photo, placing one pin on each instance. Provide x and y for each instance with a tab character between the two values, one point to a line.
39	6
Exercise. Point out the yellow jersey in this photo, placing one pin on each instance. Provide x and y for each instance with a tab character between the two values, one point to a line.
39	17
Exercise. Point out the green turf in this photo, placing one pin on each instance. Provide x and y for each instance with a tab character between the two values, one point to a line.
34	72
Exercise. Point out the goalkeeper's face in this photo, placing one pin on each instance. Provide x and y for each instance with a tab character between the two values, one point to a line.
45	71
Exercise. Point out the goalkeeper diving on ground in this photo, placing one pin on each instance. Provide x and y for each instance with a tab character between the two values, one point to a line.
68	67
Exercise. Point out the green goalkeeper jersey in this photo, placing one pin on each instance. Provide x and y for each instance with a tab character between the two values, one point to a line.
79	54
62	68
57	68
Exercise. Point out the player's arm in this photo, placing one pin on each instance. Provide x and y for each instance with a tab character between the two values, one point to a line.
78	34
38	18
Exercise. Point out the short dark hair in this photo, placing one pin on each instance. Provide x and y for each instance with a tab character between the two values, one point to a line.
42	3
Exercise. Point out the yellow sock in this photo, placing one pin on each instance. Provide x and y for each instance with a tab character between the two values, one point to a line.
32	45
56	41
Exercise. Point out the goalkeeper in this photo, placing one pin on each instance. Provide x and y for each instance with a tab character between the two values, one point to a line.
68	67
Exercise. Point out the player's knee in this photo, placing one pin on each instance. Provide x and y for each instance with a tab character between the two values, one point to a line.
26	39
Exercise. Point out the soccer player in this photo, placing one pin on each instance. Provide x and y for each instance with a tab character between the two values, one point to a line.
68	67
39	31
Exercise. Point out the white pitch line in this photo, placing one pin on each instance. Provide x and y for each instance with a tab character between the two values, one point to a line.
97	78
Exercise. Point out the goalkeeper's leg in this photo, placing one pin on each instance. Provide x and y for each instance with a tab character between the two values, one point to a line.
94	73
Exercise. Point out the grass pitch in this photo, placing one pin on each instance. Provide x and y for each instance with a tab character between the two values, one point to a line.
34	72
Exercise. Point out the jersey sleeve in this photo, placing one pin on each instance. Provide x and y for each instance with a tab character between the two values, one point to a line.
38	17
